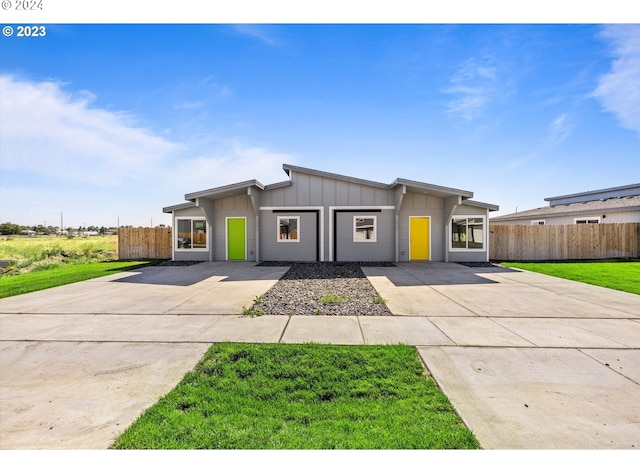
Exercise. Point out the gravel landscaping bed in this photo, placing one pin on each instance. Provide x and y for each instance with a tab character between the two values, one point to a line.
334	289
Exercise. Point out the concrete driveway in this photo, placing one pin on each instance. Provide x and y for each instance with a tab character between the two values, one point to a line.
529	361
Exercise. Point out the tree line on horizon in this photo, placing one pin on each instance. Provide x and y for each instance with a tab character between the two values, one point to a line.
8	229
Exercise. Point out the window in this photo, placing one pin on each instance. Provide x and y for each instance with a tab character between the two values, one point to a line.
288	229
537	222
467	233
364	229
192	234
587	220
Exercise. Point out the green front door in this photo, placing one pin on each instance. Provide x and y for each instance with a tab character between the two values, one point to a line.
236	238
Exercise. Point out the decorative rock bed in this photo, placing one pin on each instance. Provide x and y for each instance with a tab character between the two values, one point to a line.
334	289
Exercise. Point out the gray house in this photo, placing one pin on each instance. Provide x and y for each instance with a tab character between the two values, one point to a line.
620	204
321	216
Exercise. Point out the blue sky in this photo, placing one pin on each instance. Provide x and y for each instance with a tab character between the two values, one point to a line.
113	122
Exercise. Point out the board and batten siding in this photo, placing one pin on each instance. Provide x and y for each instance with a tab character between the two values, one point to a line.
416	205
235	206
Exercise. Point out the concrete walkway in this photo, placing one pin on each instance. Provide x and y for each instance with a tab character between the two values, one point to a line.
529	361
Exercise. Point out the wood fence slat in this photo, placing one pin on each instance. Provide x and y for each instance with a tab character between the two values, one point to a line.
144	243
562	242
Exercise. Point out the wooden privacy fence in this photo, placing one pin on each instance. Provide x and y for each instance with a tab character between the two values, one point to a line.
561	242
144	243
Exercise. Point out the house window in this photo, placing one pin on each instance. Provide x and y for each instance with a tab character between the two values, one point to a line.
364	229
586	220
192	234
537	222
288	229
467	233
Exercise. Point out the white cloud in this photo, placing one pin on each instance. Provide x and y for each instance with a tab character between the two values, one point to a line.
474	86
257	31
55	134
559	129
59	151
618	89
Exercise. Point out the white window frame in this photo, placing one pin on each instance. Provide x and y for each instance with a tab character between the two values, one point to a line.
280	239
191	219
484	233
586	220
375	229
538	222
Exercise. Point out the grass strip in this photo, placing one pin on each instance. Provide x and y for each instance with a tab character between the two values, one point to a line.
302	396
66	274
619	275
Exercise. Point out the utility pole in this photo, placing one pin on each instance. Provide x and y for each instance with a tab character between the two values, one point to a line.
61	223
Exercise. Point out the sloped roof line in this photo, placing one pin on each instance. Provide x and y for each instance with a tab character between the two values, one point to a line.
398	181
591	207
226	188
432	187
611	190
289	168
488	206
169	209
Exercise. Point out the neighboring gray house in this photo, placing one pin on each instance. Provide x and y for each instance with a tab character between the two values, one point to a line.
321	216
613	205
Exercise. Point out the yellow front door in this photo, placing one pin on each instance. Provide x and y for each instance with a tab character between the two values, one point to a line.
419	238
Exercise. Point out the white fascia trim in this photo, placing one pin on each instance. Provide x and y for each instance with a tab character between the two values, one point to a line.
310	208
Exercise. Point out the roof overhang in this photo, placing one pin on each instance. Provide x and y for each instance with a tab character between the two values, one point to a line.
170	209
229	190
488	206
433	190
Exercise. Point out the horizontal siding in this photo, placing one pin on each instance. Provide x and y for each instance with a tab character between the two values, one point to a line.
272	250
381	250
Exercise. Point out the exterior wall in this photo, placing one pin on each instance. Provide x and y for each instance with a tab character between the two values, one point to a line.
236	206
469	255
272	250
310	190
422	205
189	255
611	217
383	249
326	207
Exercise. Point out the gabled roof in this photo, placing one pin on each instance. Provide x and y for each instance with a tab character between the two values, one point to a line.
631	203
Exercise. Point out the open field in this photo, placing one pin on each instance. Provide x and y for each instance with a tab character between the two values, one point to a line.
41	262
302	396
623	276
26	254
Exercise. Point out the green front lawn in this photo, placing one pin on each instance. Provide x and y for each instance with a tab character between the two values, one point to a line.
623	276
63	274
302	396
